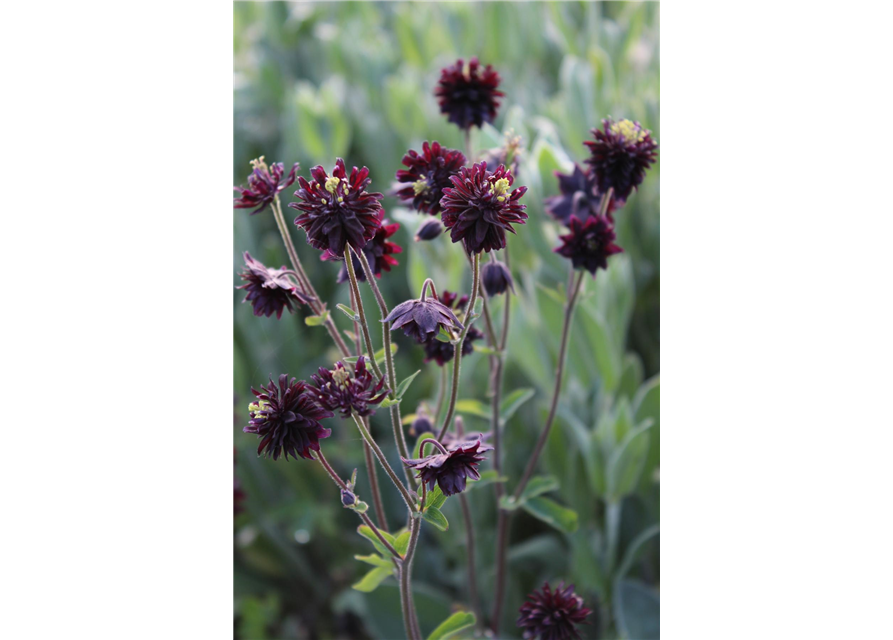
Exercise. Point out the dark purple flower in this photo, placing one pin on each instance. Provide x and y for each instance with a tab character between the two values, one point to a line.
379	254
442	352
579	197
238	494
263	185
467	94
429	230
422	424
479	208
589	244
286	418
496	278
348	498
553	615
620	154
451	469
338	209
339	390
428	173
422	319
269	290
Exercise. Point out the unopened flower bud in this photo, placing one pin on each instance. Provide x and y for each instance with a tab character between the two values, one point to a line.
496	278
430	230
422	423
348	498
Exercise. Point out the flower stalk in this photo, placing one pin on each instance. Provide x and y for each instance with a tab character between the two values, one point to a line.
407	497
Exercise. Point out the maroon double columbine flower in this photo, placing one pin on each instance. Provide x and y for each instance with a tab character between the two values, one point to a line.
479	208
443	352
339	390
263	185
286	418
450	470
467	94
378	251
579	197
337	209
238	494
589	244
422	319
553	615
620	154
428	174
269	290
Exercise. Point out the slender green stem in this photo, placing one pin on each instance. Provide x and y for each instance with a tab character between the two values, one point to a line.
469	554
407	497
352	276
367	452
396	419
410	619
441	394
316	304
457	357
363	516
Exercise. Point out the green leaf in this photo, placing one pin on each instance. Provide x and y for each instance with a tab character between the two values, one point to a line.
552	513
375	560
403	386
401	542
315	321
637	609
508	503
443	335
626	463
513	402
389	402
539	485
371	580
473	407
435	498
452	625
435	517
366	532
350	313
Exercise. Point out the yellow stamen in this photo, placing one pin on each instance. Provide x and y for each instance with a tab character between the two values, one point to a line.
500	188
420	186
258	163
629	130
332	183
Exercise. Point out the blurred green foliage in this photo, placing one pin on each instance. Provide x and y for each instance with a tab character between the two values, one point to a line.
316	81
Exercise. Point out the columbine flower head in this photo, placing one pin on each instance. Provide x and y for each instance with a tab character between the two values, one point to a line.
450	470
428	174
479	208
337	209
263	185
286	418
238	494
269	290
579	197
429	230
589	244
496	278
468	94
443	352
422	319
378	251
620	154
553	615
339	390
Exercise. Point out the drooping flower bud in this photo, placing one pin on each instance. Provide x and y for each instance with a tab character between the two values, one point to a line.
496	278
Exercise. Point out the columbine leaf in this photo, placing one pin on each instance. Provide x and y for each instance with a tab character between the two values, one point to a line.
473	407
552	513
435	498
401	542
452	625
539	485
403	386
371	580
375	560
367	533
350	313
486	350
315	321
435	517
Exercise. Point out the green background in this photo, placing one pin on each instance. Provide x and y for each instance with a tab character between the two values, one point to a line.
355	80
